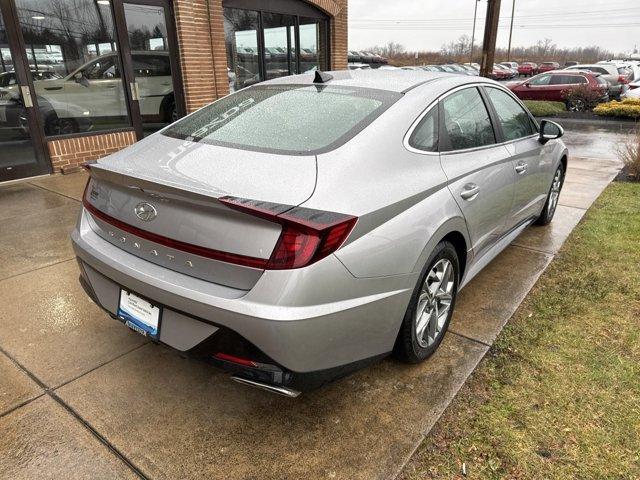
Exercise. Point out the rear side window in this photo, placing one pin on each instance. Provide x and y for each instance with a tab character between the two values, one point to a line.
567	80
514	120
290	119
425	136
466	120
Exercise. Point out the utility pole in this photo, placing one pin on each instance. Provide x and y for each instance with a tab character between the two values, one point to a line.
513	11
490	35
473	34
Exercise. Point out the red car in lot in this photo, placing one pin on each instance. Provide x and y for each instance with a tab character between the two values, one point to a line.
527	69
548	66
552	86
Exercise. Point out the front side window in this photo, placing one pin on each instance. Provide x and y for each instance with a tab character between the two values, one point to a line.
514	120
466	120
540	80
76	41
425	136
288	119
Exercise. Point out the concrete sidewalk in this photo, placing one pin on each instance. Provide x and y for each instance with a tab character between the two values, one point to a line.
81	396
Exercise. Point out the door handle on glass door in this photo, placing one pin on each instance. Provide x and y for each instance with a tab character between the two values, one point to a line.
470	191
521	167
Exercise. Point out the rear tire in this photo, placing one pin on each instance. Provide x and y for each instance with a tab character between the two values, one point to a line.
553	197
431	307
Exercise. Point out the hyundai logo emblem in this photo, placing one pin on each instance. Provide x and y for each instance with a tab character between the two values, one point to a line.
145	211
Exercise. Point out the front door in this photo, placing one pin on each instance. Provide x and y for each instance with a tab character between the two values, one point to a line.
21	152
152	64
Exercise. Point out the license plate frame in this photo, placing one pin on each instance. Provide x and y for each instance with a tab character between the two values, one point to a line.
140	314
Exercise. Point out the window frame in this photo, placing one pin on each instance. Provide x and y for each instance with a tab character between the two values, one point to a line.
493	117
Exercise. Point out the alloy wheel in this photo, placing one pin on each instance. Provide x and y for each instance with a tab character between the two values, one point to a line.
434	302
554	194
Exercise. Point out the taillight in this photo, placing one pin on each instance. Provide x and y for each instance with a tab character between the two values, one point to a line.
623	79
307	235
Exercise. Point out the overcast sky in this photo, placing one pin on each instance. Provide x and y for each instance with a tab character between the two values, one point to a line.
427	24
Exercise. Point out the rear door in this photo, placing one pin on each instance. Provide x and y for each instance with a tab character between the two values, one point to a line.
480	172
516	128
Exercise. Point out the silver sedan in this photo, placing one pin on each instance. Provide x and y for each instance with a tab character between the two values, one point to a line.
299	229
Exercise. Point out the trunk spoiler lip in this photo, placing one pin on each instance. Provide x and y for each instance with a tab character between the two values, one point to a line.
152	185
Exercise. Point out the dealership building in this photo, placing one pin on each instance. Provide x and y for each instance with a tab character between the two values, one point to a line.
80	79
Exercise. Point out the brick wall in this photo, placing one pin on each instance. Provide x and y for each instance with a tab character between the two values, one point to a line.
74	151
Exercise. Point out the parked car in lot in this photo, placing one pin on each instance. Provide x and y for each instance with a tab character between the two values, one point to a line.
635	93
618	77
548	66
570	63
527	69
501	72
291	249
552	86
511	65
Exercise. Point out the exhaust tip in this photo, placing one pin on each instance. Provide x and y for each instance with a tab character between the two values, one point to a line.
284	391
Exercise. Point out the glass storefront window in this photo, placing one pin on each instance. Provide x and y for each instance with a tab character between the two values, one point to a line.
148	39
74	66
241	39
279	46
313	45
286	45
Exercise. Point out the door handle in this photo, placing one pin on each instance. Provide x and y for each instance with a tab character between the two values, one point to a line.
470	191
521	167
135	92
26	96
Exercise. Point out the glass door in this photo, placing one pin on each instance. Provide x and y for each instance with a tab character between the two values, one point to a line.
21	150
153	63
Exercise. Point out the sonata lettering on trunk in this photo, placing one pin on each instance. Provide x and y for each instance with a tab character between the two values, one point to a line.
154	251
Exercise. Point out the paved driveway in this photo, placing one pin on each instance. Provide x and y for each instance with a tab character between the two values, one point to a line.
81	396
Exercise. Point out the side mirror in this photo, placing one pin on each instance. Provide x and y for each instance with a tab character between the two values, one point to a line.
81	79
78	76
550	131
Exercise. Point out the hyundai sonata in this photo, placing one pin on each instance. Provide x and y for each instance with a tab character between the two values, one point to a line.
299	229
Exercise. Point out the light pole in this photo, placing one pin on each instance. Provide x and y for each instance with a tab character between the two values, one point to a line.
513	10
473	34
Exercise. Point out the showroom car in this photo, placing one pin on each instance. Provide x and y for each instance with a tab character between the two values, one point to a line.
91	88
292	249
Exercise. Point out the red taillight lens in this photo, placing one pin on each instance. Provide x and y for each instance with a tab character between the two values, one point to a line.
307	235
623	79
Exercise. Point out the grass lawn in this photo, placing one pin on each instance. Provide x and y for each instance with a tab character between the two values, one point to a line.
543	108
558	394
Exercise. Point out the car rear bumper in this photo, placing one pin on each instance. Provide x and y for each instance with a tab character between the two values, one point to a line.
319	318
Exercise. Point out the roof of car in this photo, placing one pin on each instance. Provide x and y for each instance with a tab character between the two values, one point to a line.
392	80
573	71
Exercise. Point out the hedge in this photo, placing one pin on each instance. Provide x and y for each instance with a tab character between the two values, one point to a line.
627	108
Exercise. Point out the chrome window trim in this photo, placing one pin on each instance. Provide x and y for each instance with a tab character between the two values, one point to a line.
433	104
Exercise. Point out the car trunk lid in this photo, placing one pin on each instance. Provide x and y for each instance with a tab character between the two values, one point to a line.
159	200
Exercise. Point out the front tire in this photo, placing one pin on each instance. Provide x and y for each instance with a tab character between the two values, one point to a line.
553	197
431	306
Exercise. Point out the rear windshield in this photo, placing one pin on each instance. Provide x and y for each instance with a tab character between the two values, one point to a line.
289	119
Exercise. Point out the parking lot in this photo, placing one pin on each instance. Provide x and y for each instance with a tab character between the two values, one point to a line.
82	396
